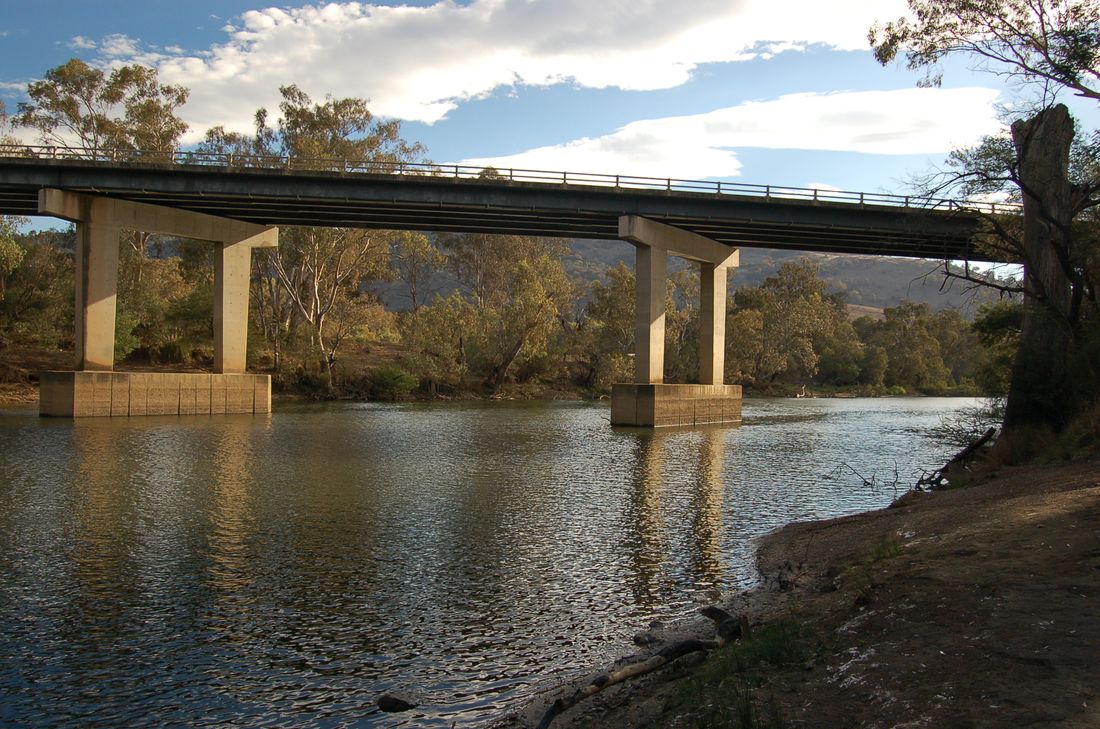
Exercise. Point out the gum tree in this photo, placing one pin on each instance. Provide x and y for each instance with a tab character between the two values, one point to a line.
1047	48
128	109
318	271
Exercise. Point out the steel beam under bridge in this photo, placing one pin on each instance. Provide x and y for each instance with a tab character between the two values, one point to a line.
426	202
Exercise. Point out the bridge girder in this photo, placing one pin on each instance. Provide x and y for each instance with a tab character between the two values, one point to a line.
425	203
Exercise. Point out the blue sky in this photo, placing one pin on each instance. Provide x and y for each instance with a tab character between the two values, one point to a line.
753	91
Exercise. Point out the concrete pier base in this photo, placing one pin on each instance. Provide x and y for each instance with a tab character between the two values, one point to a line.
660	405
104	394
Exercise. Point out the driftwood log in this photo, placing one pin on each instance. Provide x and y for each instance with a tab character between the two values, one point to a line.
940	478
726	626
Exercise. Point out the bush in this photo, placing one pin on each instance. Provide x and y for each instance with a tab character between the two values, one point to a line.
172	352
390	382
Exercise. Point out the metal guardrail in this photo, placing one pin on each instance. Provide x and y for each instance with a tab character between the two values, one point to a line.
425	169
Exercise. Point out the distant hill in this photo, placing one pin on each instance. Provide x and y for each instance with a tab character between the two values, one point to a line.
873	281
867	281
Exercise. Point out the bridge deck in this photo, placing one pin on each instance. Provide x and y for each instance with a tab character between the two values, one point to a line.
577	207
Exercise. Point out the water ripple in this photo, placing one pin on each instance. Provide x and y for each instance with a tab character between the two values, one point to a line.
286	570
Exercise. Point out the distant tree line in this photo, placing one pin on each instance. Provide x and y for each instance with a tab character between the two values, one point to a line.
518	321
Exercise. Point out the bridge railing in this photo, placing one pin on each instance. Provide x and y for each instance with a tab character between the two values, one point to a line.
233	160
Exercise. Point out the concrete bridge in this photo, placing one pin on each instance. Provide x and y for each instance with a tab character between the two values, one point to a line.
237	202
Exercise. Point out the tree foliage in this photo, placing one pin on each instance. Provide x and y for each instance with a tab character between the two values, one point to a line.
417	261
790	331
1048	165
605	333
317	134
1055	43
11	253
127	109
320	272
515	299
36	303
791	312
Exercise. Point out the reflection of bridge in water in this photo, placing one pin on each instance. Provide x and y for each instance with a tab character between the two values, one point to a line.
238	201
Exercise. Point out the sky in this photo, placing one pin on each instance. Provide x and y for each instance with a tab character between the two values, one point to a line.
781	92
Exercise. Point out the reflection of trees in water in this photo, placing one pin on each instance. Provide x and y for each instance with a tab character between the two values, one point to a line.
648	539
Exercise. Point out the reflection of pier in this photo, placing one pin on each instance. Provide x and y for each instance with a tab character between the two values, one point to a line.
231	519
105	534
707	506
650	543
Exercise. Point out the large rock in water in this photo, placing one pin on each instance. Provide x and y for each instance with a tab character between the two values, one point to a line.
393	703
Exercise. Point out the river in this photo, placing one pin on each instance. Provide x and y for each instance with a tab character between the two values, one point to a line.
285	570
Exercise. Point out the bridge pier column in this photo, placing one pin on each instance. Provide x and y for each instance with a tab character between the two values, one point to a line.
96	295
648	402
85	391
232	270
713	281
650	282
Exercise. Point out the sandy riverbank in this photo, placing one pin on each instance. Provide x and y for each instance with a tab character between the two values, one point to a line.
18	395
977	607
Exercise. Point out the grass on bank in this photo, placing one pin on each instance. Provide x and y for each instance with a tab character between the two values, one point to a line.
727	691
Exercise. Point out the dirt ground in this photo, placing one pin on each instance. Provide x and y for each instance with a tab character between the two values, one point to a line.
976	607
18	384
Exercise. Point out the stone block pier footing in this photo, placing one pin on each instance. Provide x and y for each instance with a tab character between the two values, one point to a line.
121	394
660	405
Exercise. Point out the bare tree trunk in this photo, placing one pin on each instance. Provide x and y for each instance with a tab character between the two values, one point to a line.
492	382
1041	392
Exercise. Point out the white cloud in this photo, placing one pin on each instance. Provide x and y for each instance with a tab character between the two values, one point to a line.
81	43
118	46
904	121
418	63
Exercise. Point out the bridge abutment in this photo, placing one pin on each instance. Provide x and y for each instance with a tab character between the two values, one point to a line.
93	389
648	401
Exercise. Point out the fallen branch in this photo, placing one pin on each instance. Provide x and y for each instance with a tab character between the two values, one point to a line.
941	477
872	482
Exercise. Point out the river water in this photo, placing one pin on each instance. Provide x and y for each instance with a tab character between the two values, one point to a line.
287	569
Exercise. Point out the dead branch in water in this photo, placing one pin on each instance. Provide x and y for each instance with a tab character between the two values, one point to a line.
872	483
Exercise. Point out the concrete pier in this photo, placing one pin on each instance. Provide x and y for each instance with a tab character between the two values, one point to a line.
93	389
648	401
124	394
662	406
96	293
